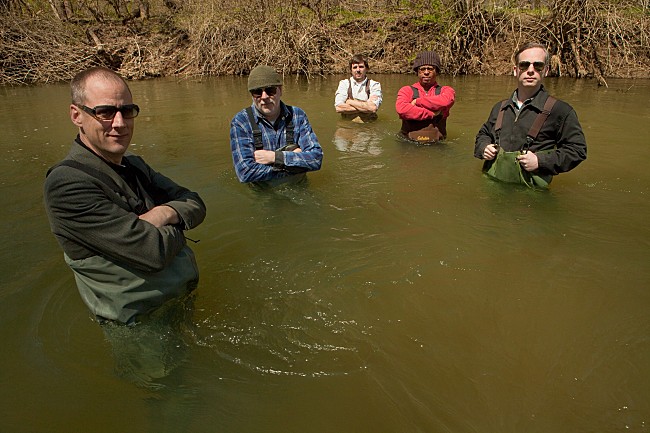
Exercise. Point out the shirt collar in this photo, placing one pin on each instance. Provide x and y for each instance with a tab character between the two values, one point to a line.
531	100
110	164
355	83
285	115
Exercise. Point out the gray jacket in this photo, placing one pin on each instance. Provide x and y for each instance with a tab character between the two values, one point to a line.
123	266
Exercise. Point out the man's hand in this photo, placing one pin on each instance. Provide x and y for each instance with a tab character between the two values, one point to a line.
355	105
265	157
161	216
528	161
490	152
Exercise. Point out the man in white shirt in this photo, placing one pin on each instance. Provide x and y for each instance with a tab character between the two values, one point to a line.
358	98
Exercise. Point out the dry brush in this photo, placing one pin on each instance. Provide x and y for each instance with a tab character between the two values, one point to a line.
44	41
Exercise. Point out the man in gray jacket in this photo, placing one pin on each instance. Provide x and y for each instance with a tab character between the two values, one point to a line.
119	222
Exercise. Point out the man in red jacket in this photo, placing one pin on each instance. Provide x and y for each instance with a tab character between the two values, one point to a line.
424	106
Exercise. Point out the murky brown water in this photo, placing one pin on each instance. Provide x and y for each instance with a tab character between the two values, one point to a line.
399	291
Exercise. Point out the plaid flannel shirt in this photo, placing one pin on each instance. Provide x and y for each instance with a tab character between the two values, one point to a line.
273	138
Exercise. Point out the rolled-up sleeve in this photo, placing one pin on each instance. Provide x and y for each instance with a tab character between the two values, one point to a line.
341	93
375	90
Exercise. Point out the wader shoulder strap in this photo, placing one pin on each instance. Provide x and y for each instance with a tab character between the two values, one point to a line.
416	92
136	204
106	179
539	121
257	133
289	121
537	124
350	88
499	122
541	117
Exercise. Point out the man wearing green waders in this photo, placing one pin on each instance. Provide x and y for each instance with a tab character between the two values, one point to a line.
531	136
120	223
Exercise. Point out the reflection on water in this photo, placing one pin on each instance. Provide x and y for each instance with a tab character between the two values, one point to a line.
397	289
353	137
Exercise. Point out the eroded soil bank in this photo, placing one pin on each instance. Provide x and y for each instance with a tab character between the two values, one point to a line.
51	41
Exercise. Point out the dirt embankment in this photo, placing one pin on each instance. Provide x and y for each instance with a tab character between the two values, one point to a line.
140	39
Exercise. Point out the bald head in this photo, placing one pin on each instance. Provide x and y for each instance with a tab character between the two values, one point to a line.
80	81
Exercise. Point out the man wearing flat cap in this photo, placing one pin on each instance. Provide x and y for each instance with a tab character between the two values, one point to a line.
272	141
424	106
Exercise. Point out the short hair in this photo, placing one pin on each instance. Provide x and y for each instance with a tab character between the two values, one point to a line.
78	83
530	45
358	58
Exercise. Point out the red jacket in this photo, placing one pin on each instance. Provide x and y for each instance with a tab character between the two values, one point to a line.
426	120
427	104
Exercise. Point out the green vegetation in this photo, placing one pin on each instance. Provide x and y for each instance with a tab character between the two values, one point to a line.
46	41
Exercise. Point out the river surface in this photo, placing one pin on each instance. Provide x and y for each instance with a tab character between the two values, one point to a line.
398	290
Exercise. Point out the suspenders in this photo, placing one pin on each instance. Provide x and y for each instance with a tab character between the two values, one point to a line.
136	204
350	88
416	92
257	133
537	124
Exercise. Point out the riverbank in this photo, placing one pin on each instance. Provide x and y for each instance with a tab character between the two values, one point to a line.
143	39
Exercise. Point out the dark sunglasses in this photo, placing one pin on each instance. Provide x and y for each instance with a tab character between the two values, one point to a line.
538	66
271	91
108	112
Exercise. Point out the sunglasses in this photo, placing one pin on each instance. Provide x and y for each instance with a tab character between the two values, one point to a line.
271	91
108	112
538	66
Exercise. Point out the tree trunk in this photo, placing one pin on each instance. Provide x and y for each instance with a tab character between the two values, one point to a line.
69	12
143	5
99	46
59	9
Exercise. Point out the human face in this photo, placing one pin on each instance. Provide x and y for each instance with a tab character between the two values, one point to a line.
427	75
530	78
268	105
359	72
109	139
